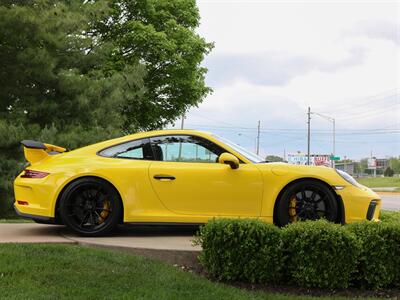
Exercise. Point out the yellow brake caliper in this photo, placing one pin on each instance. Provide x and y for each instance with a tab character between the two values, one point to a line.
106	211
292	209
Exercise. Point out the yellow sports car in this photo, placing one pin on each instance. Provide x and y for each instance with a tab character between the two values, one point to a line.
179	177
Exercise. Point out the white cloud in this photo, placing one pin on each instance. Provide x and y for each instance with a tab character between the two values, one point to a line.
273	59
379	30
272	68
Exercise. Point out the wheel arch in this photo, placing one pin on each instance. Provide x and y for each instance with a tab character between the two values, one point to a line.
56	209
341	211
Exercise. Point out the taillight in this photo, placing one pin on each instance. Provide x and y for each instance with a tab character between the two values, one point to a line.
33	174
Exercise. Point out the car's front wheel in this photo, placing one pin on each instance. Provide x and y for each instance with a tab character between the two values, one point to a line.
90	207
306	200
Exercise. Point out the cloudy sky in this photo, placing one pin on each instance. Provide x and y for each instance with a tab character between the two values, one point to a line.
273	59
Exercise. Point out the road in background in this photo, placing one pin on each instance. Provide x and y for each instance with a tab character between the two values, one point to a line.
390	201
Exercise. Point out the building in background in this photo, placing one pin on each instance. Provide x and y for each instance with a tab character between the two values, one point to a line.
348	167
315	159
377	164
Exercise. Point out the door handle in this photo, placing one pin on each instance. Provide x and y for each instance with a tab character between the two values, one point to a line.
164	177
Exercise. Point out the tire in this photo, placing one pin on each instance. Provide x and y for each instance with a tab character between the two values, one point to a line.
90	207
306	200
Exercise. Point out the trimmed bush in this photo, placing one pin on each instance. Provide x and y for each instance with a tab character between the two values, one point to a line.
319	254
379	258
390	216
241	250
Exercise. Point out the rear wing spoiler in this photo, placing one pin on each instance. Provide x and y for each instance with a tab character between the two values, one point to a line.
39	145
36	151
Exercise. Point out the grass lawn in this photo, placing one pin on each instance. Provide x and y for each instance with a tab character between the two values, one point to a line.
72	272
380	182
15	220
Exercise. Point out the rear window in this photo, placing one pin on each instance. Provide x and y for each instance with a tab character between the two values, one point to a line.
138	149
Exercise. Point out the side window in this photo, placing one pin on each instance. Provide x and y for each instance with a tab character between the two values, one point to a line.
185	149
138	149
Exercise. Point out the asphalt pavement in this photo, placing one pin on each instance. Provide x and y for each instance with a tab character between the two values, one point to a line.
390	201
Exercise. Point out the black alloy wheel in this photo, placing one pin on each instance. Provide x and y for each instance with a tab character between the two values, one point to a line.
306	200
90	207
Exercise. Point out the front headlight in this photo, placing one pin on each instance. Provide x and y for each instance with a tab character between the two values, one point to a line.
349	178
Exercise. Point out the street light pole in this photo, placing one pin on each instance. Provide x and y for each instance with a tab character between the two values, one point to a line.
308	135
183	121
330	119
334	137
258	137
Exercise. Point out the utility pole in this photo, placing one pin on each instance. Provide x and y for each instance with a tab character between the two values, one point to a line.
308	135
180	144
258	137
183	121
334	141
330	119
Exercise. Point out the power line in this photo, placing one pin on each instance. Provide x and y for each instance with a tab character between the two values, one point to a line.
294	130
372	99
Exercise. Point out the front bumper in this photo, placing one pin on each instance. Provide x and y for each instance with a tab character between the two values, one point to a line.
360	204
371	210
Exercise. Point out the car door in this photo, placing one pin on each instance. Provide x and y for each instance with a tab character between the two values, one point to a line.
188	179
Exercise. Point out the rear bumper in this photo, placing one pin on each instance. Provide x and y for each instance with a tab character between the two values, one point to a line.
34	217
37	194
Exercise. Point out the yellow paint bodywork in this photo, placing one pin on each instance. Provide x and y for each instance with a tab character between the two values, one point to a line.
200	191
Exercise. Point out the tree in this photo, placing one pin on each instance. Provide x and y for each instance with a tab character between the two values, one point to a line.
128	64
388	172
160	35
273	158
394	164
51	70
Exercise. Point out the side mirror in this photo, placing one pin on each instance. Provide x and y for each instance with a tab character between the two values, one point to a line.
229	159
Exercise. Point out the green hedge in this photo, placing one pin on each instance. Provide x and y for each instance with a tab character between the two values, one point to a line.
390	216
379	257
241	250
320	254
308	254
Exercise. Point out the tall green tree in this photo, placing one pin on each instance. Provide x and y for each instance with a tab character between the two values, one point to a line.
51	70
160	35
133	63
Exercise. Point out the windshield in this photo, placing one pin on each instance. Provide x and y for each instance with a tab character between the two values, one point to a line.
246	153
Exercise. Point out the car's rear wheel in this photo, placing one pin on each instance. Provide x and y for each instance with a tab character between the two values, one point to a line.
90	207
306	200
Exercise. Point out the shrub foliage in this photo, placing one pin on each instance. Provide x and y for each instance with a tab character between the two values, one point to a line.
320	254
241	250
308	254
379	256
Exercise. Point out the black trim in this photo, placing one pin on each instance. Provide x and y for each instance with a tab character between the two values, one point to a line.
33	144
164	223
160	177
34	217
342	215
371	209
